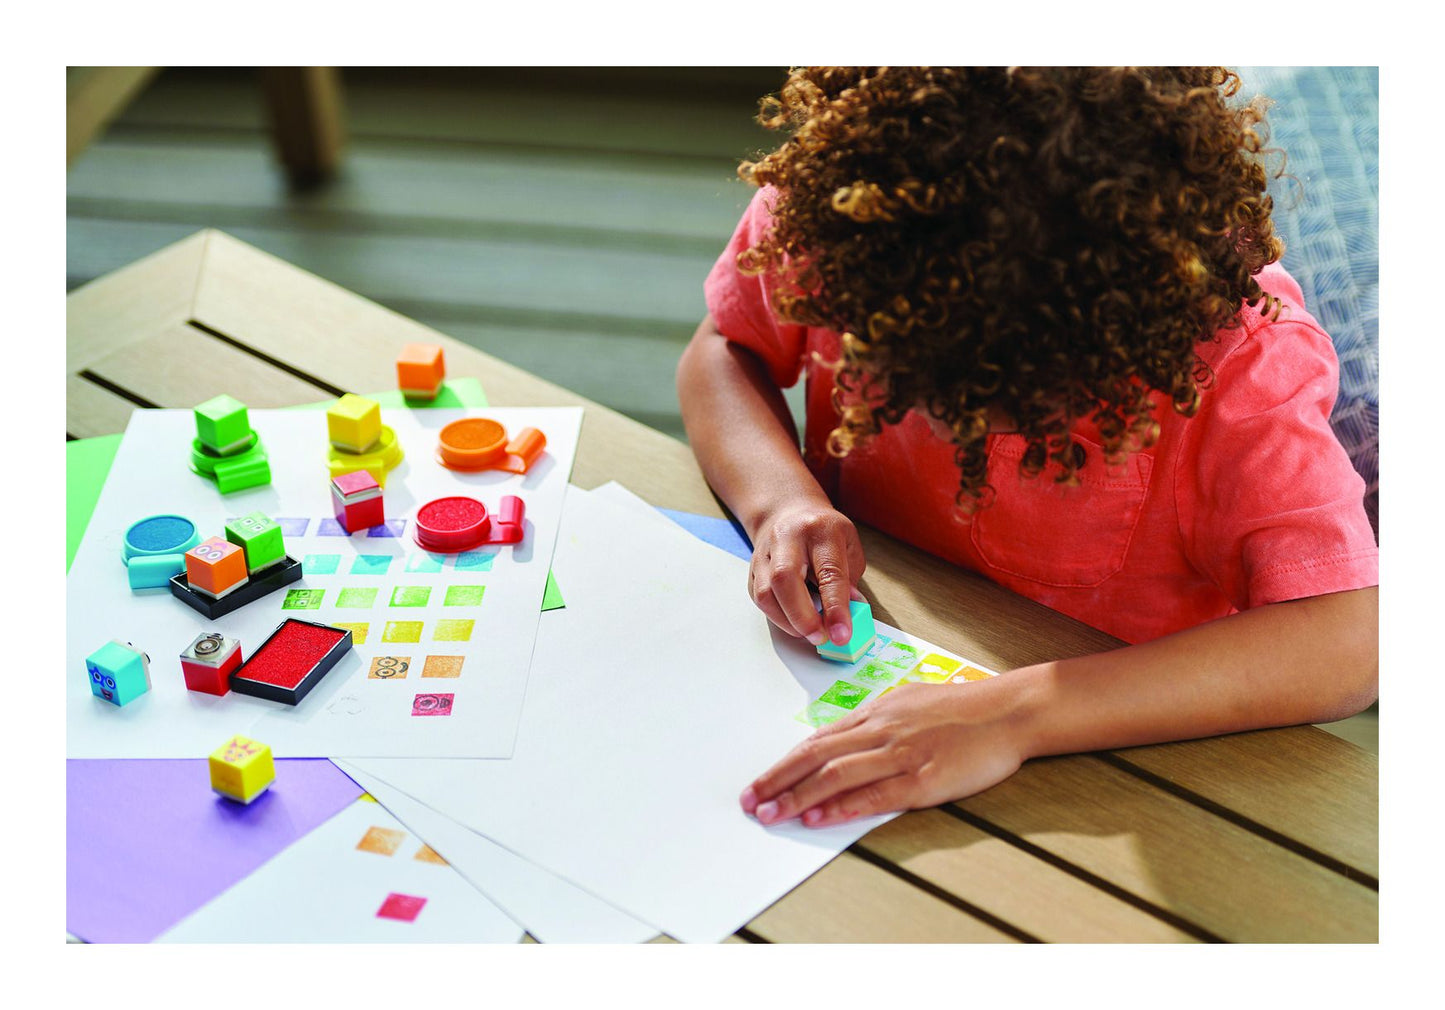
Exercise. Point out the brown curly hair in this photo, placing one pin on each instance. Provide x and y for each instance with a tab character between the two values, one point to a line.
1047	243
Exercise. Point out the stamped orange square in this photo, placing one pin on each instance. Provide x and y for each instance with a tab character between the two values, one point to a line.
427	854
382	841
442	666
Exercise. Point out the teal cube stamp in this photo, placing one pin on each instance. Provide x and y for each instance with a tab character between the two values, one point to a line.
863	635
222	424
260	537
118	673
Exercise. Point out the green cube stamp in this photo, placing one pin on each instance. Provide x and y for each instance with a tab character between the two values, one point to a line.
260	537
410	596
222	424
464	596
844	694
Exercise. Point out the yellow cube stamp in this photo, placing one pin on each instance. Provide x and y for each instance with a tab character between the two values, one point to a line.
242	769
353	423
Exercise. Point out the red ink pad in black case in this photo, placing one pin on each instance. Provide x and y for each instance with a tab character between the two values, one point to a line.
291	661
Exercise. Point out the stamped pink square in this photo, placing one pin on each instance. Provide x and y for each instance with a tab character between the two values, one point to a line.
402	907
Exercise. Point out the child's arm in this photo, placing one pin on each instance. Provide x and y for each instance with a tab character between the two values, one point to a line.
1304	661
743	436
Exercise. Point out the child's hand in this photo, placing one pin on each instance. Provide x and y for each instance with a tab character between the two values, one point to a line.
798	543
922	745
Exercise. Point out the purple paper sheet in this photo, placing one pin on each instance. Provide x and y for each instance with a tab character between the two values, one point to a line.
147	842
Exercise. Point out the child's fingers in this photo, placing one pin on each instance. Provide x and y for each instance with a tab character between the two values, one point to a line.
835	580
800	762
879	797
837	776
785	573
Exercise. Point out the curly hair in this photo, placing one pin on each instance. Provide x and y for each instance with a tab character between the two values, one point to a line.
1046	244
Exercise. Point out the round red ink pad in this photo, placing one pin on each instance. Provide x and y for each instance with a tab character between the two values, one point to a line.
449	525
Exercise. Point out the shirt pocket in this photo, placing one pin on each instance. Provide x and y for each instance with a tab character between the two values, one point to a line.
1054	535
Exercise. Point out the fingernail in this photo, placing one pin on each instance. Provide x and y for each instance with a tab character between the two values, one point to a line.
817	638
813	816
749	800
841	634
768	812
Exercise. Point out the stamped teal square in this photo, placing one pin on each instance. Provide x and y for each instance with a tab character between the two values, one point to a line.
371	564
844	694
355	598
410	596
423	562
464	596
321	564
475	561
303	599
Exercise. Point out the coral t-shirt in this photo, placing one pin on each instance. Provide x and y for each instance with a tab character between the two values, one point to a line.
1251	501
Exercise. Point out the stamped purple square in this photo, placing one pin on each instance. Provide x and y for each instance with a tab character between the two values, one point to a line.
432	704
401	907
390	528
331	528
293	526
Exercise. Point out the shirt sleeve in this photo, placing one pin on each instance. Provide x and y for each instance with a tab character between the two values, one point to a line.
740	304
1269	506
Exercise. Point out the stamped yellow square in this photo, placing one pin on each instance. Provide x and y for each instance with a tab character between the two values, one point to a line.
358	630
936	669
453	630
401	631
242	769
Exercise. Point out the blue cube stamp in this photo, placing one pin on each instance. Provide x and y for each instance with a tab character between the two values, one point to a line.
118	672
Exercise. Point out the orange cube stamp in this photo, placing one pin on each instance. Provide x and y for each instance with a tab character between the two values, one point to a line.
420	369
216	567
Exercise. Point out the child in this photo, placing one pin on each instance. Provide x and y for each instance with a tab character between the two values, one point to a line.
1044	339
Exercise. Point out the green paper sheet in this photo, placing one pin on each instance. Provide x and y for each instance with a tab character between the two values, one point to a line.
87	464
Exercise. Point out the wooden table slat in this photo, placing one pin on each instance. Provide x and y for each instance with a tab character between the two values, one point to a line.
1007	882
1313	791
91	410
1177	856
851	901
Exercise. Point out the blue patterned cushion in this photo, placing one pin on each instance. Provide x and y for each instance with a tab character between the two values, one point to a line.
1327	121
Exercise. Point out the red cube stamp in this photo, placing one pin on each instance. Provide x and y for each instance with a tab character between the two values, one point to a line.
356	500
209	661
402	907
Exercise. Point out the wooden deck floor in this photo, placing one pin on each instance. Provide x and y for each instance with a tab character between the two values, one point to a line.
561	221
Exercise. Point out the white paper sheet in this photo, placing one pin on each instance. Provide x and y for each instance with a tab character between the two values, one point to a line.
350	712
655	697
550	908
359	878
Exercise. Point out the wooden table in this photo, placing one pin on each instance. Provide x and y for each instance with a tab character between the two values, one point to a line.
1269	836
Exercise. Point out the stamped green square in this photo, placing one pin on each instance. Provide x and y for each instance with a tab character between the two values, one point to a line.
410	596
370	564
303	599
427	563
321	564
874	674
355	598
464	596
898	655
401	631
453	630
820	713
844	694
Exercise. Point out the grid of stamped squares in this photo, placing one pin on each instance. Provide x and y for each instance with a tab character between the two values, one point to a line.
885	666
